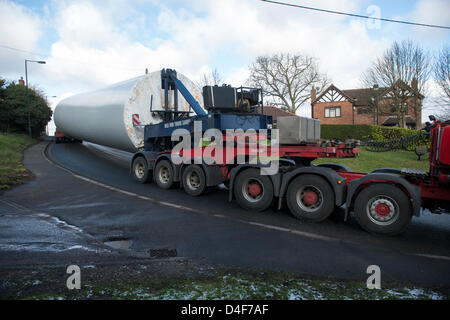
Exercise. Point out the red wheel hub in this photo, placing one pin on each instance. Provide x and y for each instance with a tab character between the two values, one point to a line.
382	210
310	198
254	189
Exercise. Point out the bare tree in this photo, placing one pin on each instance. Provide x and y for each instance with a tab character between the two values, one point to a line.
287	78
442	71
443	114
438	106
212	79
403	70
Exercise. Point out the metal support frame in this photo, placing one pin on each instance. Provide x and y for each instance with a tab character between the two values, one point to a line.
27	94
169	81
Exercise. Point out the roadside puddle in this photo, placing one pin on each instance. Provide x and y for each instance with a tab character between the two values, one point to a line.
163	253
122	244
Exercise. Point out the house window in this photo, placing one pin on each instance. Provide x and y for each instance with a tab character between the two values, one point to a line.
363	111
332	112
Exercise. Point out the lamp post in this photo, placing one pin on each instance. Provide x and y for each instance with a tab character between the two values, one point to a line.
375	114
374	100
28	100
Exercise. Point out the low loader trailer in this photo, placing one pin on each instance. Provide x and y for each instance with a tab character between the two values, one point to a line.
60	137
383	200
222	136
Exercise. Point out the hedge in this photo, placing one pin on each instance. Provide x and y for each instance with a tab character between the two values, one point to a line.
345	131
366	132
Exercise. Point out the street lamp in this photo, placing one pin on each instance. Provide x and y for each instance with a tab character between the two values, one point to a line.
28	101
374	99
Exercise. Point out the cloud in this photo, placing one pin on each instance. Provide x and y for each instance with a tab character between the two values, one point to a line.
246	29
431	12
435	102
84	24
94	50
95	43
20	28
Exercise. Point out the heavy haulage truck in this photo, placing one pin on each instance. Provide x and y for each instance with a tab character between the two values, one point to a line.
142	115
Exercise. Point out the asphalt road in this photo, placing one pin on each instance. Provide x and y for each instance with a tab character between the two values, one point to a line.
99	201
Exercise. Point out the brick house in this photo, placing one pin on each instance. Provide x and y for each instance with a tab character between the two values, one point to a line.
275	112
362	106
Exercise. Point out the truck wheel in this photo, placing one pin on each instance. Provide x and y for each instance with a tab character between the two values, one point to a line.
310	198
383	208
164	174
194	180
252	190
140	170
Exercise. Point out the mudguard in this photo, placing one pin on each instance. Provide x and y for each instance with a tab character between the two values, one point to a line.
328	174
335	166
213	175
381	175
387	170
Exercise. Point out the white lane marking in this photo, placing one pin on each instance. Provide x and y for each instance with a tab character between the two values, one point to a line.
45	216
131	194
172	205
220	216
301	233
432	256
176	206
15	205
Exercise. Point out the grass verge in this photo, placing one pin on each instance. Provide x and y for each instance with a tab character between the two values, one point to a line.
368	161
12	171
244	287
185	282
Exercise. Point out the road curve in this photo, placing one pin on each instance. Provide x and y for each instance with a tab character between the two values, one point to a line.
211	228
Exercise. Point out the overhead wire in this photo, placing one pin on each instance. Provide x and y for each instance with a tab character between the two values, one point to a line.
355	15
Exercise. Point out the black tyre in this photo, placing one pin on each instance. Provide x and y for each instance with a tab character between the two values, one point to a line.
139	170
310	198
194	180
252	190
383	208
164	174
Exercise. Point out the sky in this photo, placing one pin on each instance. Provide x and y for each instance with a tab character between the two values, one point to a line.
89	44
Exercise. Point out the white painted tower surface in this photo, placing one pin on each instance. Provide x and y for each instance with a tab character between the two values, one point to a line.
105	116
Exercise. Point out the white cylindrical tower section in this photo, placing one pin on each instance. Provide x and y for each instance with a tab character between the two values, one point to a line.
105	116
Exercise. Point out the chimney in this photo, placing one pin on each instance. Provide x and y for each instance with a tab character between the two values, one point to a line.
415	85
313	97
21	81
313	94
